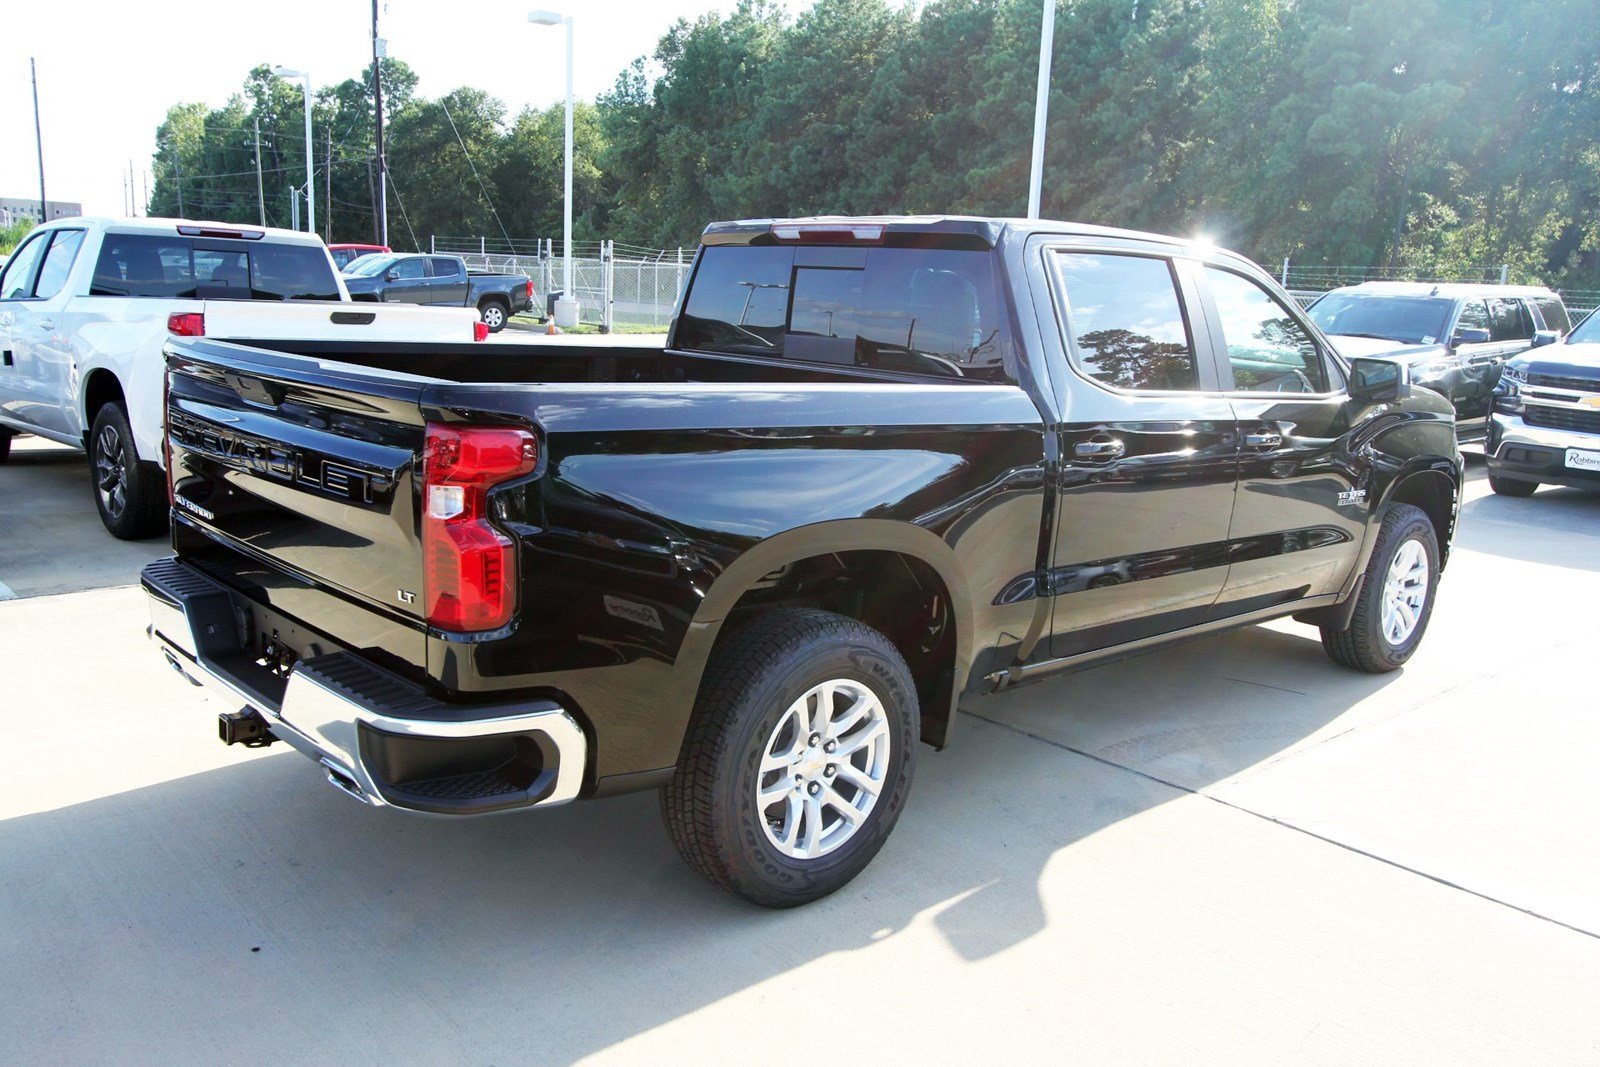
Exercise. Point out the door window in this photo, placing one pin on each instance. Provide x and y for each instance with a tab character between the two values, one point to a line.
1268	350
1126	321
408	269
1509	320
1474	316
1554	313
58	263
444	268
17	281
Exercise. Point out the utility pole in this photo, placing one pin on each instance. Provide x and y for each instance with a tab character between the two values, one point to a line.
132	189
327	220
38	139
177	165
261	193
379	48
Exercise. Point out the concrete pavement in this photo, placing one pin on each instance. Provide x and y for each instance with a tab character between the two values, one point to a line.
1230	851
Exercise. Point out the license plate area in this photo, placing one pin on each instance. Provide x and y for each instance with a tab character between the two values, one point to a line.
1581	459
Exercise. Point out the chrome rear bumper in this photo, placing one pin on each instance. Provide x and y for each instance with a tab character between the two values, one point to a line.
377	737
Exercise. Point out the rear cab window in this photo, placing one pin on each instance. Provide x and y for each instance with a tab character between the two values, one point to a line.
177	267
912	310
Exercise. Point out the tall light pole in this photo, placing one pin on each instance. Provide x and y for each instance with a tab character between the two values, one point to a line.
567	306
1041	106
311	192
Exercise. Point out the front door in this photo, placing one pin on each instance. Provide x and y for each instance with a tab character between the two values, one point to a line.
1148	457
1300	511
407	282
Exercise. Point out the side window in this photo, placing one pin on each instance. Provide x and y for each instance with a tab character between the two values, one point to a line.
1554	313
409	269
444	268
1474	316
1127	322
1509	320
17	281
58	263
1269	351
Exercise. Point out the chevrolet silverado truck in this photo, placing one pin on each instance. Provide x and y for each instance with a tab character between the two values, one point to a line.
86	305
1545	429
882	465
440	281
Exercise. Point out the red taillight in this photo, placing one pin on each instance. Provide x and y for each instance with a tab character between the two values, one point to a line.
186	324
828	233
530	290
480	331
469	567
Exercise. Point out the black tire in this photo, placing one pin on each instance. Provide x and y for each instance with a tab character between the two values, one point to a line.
130	493
748	693
496	313
1512	486
5	445
1364	645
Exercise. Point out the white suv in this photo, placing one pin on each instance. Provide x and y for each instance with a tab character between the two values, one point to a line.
86	305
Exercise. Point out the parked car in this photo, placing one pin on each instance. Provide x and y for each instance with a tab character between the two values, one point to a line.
883	464
344	254
1545	429
1454	338
441	281
86	304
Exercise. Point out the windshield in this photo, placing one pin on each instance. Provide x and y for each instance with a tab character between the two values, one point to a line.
368	265
1412	320
925	311
1588	331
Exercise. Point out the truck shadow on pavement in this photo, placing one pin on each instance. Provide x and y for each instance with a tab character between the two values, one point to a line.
564	932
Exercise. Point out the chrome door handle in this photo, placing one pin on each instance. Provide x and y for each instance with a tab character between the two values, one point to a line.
1264	439
1100	448
1482	361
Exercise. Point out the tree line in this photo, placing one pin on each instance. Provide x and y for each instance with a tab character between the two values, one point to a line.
1434	134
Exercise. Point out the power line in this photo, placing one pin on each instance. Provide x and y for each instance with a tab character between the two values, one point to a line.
486	198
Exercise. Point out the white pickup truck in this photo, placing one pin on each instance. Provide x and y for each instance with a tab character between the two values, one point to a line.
87	303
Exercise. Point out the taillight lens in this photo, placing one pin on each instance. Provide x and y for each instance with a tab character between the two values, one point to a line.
186	324
469	567
480	331
530	290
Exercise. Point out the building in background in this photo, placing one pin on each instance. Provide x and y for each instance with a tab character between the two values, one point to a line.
13	210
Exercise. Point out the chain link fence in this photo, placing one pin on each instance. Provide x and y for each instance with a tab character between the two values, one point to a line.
618	287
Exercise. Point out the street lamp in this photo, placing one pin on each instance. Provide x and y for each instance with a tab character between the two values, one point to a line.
567	306
311	193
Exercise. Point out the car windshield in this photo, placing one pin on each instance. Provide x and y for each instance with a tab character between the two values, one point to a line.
368	265
1587	332
1412	320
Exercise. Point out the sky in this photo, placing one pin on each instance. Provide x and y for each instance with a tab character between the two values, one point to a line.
108	71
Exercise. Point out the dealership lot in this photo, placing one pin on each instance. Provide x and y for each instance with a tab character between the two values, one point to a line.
1230	850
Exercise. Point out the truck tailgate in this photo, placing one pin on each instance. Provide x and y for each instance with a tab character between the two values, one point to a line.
304	465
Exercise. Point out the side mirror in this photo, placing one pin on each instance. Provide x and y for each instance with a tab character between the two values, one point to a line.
1470	335
1545	337
393	275
1378	380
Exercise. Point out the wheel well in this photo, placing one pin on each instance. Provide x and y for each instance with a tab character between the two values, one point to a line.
494	298
101	389
898	595
1435	494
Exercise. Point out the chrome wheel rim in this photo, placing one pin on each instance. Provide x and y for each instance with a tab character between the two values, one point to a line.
823	769
1405	589
110	471
493	317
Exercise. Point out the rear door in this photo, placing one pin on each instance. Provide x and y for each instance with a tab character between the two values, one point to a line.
1148	458
1510	326
447	282
304	468
1299	514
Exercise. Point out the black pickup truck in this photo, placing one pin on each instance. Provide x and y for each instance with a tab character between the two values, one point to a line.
440	281
882	465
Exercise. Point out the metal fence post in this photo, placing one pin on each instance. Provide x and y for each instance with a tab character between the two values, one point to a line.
430	243
1503	268
608	260
1284	280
